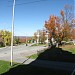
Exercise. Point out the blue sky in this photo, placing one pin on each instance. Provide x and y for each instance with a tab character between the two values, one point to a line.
31	16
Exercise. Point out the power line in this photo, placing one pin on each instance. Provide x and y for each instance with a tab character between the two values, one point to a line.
12	0
29	2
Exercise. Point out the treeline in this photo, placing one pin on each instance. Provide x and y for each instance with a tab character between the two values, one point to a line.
5	38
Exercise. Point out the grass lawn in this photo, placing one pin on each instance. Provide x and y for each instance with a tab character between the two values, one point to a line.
34	56
4	66
70	48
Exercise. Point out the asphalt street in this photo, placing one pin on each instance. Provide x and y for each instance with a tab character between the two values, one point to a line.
19	52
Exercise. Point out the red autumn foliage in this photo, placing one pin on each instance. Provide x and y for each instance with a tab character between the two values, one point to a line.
53	26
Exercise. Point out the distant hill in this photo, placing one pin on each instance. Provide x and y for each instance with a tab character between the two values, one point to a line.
23	36
23	39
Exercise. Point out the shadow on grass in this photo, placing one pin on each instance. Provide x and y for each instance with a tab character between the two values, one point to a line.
57	54
53	54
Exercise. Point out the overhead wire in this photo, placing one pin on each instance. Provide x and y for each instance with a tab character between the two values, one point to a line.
28	2
31	2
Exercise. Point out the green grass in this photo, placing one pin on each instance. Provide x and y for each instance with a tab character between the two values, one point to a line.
4	66
34	56
70	48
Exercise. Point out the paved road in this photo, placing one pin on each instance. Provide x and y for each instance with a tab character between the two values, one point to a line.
19	52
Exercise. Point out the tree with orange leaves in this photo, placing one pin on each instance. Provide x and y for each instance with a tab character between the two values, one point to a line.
50	25
54	28
67	21
61	28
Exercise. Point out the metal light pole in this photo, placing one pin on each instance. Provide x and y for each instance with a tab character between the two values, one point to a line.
12	33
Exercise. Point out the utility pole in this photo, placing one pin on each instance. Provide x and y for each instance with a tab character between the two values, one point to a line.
12	37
